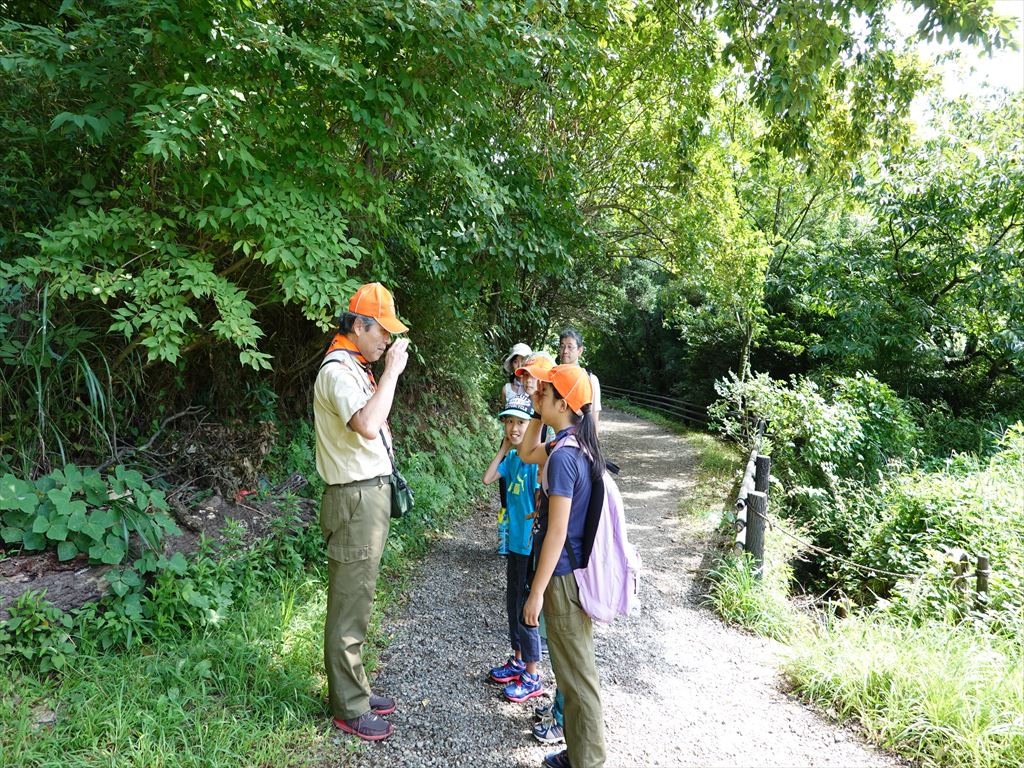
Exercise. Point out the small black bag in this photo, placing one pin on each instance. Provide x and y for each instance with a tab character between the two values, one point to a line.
401	494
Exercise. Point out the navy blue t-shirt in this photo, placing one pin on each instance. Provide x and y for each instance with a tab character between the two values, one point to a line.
568	475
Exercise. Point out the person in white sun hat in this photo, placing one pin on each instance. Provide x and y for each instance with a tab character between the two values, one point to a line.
512	388
514	360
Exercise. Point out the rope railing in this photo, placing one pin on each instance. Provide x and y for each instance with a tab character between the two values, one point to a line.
674	407
753	519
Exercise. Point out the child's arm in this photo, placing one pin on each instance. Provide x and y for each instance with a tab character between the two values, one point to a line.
531	450
492	471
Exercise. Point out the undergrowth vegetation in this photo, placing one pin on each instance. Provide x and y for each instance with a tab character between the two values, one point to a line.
930	668
224	648
946	694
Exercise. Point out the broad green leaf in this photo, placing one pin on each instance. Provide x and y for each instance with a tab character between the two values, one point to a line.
66	550
17	494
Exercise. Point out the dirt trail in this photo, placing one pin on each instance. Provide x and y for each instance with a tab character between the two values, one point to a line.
679	687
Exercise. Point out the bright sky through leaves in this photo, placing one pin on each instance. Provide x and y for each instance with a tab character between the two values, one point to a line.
973	70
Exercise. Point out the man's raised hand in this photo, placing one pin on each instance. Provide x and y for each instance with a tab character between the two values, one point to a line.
397	357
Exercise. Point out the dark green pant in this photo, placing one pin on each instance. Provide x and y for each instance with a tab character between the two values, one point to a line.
571	647
355	523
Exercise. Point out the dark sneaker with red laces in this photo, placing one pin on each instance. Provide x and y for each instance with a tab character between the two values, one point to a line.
370	727
557	760
382	705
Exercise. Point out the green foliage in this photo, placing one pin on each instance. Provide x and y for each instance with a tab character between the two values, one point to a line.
230	640
56	386
803	56
940	694
37	632
295	451
853	432
247	690
445	475
757	603
925	289
188	226
158	596
911	522
78	511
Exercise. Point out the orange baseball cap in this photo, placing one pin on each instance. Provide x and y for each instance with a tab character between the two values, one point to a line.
374	300
537	365
573	383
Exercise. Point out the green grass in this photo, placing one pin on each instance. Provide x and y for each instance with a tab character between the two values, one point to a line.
249	691
945	695
760	605
244	693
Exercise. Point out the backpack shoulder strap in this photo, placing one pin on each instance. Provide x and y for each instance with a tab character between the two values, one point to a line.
567	441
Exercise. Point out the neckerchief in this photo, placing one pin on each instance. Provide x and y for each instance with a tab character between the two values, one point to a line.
344	343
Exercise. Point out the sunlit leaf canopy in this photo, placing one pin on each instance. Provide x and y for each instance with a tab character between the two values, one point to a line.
192	186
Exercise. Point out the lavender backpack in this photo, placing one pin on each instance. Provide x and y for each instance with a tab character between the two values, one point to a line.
608	578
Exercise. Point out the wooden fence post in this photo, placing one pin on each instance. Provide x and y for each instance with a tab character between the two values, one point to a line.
762	471
757	509
981	592
960	560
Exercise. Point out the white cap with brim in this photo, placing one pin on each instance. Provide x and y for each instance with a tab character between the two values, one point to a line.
515	412
520	350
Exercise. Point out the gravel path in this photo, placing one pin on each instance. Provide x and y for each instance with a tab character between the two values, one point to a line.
679	687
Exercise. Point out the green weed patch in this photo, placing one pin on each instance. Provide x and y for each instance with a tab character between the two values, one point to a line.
947	695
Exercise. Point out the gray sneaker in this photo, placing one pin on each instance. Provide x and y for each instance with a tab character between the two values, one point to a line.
368	726
547	731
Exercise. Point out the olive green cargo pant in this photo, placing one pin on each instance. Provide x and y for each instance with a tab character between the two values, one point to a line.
571	649
355	523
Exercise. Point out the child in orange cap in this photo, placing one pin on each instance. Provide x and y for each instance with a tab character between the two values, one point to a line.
564	402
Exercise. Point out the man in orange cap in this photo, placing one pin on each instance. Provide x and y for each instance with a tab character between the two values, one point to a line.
350	409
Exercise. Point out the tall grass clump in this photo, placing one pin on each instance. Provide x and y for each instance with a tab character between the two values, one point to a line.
758	601
944	694
740	597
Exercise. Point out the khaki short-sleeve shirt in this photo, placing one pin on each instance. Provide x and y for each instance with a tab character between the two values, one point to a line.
342	454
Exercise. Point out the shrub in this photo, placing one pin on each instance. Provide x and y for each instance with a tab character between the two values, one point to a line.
851	431
37	632
78	511
911	521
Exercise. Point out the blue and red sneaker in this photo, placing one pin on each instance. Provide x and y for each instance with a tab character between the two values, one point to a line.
528	687
507	672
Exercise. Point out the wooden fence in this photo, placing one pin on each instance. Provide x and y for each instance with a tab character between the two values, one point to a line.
669	406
